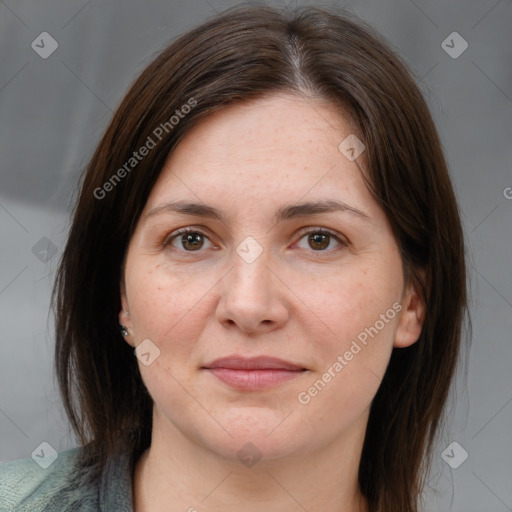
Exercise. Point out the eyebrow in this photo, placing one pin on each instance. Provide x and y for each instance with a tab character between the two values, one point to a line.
287	212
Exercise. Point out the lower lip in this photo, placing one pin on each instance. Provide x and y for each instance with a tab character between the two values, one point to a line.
254	379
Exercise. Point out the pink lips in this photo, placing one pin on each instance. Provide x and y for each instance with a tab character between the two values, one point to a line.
253	373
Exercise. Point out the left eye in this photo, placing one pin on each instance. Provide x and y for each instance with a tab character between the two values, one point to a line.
319	239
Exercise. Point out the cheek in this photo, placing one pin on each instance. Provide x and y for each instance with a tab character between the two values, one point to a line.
167	307
353	355
353	299
357	315
150	299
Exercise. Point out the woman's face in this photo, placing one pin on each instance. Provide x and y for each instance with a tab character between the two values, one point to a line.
316	293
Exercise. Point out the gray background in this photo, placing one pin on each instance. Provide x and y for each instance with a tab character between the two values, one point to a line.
52	112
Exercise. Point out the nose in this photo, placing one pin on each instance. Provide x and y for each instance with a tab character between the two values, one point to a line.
252	297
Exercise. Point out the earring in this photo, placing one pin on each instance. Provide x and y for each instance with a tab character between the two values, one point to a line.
124	330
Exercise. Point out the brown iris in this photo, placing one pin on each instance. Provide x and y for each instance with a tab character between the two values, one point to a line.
319	238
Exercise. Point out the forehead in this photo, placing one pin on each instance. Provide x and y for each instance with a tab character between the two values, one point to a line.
282	145
281	122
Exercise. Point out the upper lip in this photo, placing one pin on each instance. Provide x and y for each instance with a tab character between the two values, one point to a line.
253	363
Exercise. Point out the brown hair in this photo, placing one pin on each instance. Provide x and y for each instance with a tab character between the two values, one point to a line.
244	53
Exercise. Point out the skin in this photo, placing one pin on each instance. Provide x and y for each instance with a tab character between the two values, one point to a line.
298	300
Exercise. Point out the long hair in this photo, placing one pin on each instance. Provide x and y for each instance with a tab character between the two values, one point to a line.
245	53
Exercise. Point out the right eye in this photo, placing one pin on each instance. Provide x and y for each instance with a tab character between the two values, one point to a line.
191	240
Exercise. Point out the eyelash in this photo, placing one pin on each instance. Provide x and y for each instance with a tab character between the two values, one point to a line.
175	234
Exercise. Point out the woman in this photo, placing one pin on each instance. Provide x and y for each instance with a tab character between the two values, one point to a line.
261	299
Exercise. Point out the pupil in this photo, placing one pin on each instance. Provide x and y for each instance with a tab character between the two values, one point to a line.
193	239
318	238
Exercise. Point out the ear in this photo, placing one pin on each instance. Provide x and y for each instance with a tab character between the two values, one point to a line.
124	316
412	317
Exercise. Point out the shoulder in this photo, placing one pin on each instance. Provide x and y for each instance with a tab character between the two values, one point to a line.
27	485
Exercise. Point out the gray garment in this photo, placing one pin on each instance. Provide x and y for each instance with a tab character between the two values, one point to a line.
65	486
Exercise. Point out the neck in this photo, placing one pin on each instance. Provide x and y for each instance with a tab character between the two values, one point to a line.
176	474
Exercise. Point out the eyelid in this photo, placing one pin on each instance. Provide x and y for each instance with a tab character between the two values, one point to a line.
316	229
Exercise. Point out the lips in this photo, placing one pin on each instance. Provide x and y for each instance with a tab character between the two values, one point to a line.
253	373
253	363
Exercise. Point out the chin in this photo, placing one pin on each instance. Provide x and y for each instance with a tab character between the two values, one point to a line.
256	432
